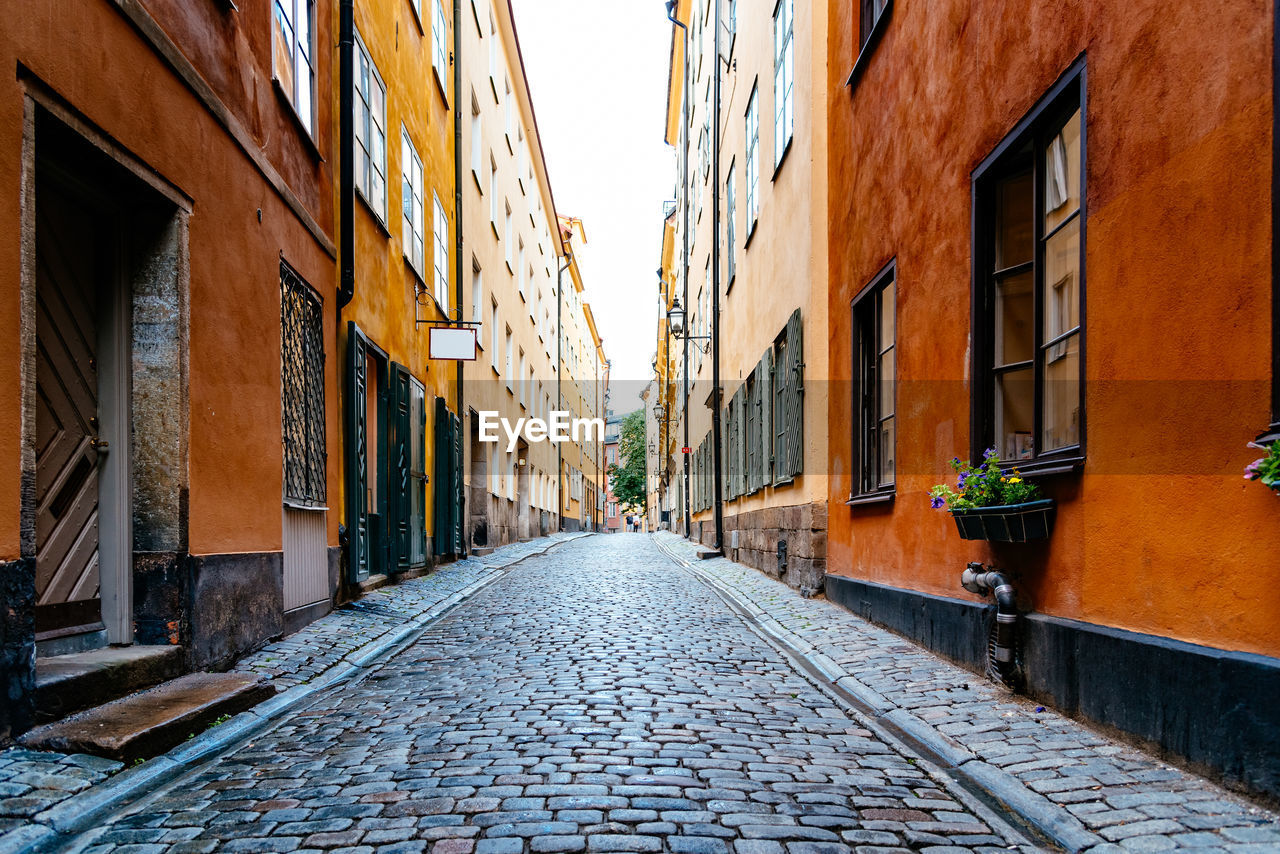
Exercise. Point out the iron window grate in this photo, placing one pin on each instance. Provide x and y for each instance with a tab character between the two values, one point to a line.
302	389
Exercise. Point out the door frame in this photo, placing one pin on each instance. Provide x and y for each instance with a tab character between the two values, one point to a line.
115	334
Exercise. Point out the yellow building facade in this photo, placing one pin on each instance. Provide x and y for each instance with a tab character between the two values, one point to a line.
397	403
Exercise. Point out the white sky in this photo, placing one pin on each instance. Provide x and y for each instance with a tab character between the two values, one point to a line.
597	71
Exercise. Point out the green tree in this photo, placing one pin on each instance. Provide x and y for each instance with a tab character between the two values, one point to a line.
628	479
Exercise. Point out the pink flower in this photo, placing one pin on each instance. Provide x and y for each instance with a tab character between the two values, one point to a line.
1253	470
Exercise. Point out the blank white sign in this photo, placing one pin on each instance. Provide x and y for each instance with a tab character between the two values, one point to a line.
452	342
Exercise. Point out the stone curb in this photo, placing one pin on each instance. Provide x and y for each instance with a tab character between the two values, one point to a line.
83	811
1053	821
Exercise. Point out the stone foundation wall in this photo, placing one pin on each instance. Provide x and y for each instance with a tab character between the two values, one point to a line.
804	529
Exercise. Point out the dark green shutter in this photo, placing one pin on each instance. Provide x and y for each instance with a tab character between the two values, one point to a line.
766	396
420	481
398	501
789	403
455	506
443	452
356	458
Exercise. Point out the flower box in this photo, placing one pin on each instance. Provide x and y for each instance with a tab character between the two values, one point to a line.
1010	523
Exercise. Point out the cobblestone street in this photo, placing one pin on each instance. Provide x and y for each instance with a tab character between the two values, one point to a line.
596	698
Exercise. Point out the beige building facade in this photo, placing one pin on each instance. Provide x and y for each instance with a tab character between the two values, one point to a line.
751	175
524	292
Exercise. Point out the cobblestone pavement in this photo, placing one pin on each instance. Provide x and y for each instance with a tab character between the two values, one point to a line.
600	699
1128	799
33	781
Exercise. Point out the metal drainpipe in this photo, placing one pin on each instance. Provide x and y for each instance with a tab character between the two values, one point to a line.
457	215
976	578
684	193
346	140
718	462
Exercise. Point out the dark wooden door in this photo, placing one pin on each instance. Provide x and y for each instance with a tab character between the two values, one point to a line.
70	269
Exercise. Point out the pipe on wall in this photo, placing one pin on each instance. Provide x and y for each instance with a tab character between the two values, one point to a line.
346	143
976	578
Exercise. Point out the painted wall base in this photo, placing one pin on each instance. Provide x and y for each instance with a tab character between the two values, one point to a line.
17	646
1213	710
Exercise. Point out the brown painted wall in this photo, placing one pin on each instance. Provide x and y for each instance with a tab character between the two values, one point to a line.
1159	533
118	81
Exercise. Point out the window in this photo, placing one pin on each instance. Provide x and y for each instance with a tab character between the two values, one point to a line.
493	325
302	389
510	116
412	204
753	160
875	378
731	243
507	240
493	57
507	375
520	280
477	141
291	56
1029	257
370	105
783	78
441	237
439	51
520	379
870	15
477	294
493	194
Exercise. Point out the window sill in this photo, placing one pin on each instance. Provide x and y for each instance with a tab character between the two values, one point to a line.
377	220
871	498
417	18
476	176
308	140
864	56
777	168
751	233
1045	467
1271	434
440	87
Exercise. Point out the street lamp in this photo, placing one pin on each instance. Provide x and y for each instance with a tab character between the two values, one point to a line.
675	318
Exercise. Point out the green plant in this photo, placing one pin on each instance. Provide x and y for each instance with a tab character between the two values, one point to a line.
218	721
628	479
1265	469
985	485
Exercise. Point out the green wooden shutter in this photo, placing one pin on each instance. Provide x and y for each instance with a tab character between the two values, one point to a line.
751	440
356	458
455	480
443	451
789	411
420	479
766	397
398	501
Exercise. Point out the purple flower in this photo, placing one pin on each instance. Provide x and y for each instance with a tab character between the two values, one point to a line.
1254	470
936	502
960	482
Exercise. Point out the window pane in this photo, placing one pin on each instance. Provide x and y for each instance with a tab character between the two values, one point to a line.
1061	424
1015	402
1062	174
888	303
886	454
1014	314
1014	220
282	49
1061	290
886	369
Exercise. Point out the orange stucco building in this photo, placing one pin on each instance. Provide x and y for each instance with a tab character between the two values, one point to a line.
166	195
1063	249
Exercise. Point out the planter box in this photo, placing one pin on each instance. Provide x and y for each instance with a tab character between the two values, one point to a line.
1012	523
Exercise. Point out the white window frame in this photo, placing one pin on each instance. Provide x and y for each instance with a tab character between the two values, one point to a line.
370	122
439	47
440	234
293	51
412	204
784	118
753	160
